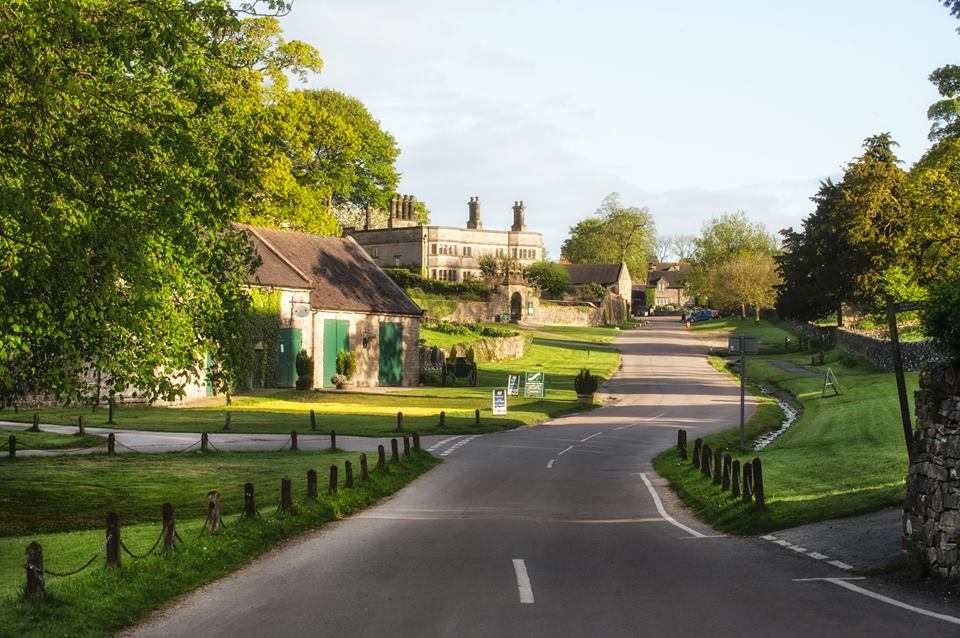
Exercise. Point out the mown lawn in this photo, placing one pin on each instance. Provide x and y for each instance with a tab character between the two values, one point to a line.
98	602
771	335
560	352
845	455
47	440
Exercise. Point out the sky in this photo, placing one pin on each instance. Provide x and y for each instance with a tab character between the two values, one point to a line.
689	108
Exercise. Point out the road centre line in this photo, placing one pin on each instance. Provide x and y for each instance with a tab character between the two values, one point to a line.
844	582
663	512
523	581
441	443
590	437
550	463
567	449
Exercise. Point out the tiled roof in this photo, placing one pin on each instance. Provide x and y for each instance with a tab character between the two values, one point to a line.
603	274
337	271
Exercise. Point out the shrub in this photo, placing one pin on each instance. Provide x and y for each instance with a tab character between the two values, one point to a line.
585	383
466	290
548	276
346	364
941	316
338	380
304	371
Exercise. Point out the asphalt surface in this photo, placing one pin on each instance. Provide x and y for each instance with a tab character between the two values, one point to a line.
550	531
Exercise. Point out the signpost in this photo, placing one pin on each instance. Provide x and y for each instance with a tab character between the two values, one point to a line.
499	400
533	385
738	344
513	385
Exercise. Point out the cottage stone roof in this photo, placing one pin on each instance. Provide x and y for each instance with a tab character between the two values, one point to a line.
603	274
337	271
674	273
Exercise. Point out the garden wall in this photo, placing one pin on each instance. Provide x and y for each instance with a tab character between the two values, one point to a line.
550	314
493	348
931	511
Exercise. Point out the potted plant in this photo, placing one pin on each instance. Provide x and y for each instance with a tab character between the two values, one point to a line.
586	385
304	371
346	367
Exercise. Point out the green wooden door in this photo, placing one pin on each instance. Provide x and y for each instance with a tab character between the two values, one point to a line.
336	339
288	345
391	353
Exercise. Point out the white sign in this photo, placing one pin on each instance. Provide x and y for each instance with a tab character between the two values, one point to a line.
750	345
513	385
499	401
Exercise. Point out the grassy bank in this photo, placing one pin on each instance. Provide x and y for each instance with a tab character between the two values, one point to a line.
559	351
99	601
48	440
844	456
770	335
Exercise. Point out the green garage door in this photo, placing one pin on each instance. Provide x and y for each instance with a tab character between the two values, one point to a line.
288	345
336	339
391	353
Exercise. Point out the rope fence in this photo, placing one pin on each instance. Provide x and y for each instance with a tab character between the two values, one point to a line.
213	524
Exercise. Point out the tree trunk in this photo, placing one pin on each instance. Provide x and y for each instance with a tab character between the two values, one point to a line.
756	312
839	315
743	311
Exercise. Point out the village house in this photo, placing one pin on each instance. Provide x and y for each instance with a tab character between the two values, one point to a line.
334	298
667	279
447	253
614	277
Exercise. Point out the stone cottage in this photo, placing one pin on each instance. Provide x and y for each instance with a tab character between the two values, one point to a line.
334	298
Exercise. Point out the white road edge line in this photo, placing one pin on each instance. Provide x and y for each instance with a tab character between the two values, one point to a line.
441	443
565	451
663	512
590	437
844	582
523	581
550	463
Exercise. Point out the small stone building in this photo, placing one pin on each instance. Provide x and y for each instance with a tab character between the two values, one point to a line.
614	277
668	280
333	298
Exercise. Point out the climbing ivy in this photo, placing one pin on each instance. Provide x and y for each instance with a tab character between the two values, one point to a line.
260	334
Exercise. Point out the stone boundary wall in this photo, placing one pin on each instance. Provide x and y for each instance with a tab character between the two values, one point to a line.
916	354
549	314
495	348
931	511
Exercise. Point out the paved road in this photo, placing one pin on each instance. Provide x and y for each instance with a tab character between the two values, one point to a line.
552	531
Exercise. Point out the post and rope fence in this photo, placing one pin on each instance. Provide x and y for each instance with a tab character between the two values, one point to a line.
744	480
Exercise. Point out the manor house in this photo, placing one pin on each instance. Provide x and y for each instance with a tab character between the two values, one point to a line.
445	252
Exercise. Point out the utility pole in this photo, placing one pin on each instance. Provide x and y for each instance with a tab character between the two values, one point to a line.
743	383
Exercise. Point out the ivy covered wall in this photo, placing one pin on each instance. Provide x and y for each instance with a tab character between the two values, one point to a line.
261	330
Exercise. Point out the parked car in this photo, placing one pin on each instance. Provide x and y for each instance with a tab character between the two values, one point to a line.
703	314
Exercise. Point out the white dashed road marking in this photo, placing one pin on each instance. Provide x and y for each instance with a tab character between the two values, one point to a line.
817	555
846	584
590	437
550	463
459	444
803	550
523	581
567	449
840	564
441	443
663	513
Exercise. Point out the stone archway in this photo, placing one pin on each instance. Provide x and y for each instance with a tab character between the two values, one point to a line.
516	307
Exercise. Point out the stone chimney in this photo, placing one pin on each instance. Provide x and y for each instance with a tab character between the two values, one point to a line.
518	224
367	217
473	221
408	208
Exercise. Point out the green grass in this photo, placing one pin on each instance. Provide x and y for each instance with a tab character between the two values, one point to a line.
770	334
844	456
98	602
559	351
48	440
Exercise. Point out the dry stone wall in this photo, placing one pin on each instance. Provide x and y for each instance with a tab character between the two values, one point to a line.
931	512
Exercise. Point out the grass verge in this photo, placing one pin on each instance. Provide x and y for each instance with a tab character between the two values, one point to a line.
559	351
49	440
98	602
770	334
844	456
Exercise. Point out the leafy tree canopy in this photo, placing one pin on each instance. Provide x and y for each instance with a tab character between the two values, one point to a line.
549	276
616	233
723	238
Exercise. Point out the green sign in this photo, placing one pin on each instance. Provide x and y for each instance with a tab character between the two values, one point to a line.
533	385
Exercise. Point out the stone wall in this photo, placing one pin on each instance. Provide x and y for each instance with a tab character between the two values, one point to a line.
492	348
551	314
916	354
931	511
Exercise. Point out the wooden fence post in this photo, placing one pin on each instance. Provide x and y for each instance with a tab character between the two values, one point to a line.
476	417
313	421
394	451
111	444
294	442
226	421
348	474
36	426
725	478
312	485
81	430
682	444
443	419
416	440
364	473
214	521
381	458
249	501
35	589
399	421
110	405
747	483
697	448
735	478
113	540
332	487
758	494
705	457
717	466
406	447
169	532
12	447
333	440
204	442
286	495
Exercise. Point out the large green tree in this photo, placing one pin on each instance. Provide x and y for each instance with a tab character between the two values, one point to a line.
615	233
130	133
723	238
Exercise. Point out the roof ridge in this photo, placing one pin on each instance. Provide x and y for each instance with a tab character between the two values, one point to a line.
366	256
276	251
